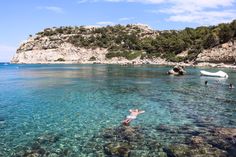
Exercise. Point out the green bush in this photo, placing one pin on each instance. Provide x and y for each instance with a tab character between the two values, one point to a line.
210	41
92	58
177	59
130	55
60	60
226	33
193	53
112	54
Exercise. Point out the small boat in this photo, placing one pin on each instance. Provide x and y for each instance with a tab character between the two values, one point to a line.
216	74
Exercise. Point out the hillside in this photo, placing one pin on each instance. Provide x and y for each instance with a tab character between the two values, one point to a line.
129	43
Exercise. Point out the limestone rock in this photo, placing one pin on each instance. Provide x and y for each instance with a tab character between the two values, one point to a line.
225	53
177	70
65	51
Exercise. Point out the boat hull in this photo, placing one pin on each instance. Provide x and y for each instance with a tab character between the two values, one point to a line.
216	74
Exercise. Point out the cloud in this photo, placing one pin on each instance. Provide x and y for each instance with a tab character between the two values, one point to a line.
178	6
206	12
105	23
204	17
54	9
126	18
6	52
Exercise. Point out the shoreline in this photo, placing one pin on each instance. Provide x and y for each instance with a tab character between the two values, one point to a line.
202	64
137	61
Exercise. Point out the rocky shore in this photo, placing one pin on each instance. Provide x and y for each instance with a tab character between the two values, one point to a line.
20	59
73	55
58	49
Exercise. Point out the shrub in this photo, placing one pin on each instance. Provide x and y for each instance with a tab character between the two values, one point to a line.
143	56
177	59
130	55
112	54
210	41
193	53
60	60
226	33
92	58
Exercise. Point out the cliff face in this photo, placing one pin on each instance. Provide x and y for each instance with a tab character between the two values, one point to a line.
137	44
56	50
63	53
224	53
72	47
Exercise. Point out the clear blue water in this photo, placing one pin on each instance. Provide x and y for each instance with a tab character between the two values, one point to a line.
79	101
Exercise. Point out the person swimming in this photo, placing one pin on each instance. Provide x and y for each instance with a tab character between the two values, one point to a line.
133	115
231	86
206	83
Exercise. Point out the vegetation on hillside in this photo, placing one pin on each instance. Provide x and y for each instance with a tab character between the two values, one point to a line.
131	41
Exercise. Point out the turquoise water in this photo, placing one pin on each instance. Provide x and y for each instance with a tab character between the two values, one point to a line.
74	103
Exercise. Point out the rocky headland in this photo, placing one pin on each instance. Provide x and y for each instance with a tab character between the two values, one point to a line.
131	44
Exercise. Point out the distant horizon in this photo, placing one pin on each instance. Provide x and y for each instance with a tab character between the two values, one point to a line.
22	18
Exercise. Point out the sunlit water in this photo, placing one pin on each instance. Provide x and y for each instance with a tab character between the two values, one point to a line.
79	101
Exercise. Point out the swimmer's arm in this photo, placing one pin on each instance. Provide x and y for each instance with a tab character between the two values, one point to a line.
141	111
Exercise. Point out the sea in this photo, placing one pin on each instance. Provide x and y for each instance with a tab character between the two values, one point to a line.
73	110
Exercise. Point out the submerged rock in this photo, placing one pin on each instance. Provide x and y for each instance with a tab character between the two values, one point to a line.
31	152
148	141
48	138
224	138
124	133
117	149
127	141
183	150
41	146
197	140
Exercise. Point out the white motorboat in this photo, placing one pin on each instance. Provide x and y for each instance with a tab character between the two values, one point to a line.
215	74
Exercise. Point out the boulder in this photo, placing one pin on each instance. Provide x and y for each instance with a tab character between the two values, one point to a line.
177	70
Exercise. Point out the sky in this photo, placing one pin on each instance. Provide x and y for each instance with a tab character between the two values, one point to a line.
21	18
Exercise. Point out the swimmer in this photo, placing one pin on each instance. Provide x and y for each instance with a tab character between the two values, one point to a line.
133	115
231	86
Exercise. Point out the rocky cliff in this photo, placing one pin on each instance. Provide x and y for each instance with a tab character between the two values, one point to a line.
32	52
136	44
62	47
224	53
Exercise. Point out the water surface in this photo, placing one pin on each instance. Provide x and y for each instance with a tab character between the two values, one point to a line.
77	102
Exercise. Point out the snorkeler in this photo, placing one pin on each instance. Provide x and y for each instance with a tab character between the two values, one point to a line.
231	86
133	115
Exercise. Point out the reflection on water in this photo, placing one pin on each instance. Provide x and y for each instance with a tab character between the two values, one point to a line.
64	109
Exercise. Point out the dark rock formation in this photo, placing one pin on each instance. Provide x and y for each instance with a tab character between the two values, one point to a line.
177	70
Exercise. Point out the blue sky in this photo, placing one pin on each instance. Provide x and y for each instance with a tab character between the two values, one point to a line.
20	18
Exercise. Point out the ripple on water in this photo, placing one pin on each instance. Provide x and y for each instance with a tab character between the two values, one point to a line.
76	110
